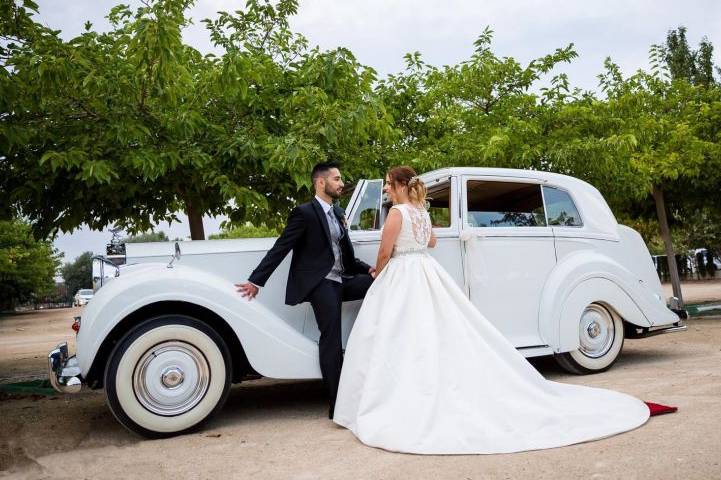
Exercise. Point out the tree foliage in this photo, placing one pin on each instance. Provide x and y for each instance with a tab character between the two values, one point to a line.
481	112
131	125
247	230
78	273
147	237
695	66
27	266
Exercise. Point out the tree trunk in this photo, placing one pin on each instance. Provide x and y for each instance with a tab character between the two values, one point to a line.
195	220
666	236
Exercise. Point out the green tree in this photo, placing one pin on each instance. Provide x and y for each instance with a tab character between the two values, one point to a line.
147	237
696	66
283	107
27	266
130	126
481	112
246	231
78	273
664	133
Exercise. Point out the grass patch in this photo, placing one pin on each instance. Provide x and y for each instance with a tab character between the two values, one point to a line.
707	309
32	387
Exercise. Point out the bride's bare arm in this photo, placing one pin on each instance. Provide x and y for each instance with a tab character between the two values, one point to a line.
391	229
432	241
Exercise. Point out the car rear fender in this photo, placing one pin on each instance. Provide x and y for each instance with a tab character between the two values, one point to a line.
580	279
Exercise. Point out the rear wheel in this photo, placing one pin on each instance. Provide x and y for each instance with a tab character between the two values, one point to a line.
167	376
600	342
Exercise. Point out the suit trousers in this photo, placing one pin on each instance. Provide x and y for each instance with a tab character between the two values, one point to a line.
326	299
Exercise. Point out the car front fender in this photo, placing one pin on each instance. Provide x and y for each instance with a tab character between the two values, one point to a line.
274	348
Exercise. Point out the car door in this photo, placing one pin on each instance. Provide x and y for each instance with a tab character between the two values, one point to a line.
508	253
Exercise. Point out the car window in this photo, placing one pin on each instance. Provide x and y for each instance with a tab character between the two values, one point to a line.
560	208
85	292
367	215
439	205
504	204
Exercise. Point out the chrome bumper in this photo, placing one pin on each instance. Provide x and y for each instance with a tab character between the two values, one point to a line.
63	370
674	304
638	332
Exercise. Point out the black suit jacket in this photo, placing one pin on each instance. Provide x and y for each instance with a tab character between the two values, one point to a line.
308	235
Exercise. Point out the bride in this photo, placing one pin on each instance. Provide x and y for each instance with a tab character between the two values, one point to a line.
425	372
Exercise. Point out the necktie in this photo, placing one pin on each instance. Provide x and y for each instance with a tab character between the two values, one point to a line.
332	223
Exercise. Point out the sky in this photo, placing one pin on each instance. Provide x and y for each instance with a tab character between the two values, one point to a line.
380	32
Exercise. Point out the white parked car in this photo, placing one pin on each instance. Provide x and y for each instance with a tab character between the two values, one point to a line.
541	256
83	296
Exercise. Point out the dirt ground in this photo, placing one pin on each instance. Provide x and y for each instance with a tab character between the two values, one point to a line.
279	429
697	291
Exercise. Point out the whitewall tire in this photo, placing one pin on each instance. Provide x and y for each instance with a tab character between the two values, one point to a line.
601	337
167	376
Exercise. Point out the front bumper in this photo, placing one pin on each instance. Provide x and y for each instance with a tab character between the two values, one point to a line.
63	370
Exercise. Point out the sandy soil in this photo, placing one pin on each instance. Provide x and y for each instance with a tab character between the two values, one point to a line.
697	291
26	339
278	429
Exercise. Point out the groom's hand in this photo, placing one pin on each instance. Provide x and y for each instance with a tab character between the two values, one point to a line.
247	289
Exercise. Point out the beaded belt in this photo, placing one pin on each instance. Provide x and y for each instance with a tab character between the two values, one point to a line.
422	251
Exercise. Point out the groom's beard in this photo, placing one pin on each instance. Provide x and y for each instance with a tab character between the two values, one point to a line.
332	193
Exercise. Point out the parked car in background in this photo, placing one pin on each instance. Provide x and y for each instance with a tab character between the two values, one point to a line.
83	296
541	255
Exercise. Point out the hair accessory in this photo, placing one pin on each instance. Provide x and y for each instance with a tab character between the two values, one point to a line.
414	179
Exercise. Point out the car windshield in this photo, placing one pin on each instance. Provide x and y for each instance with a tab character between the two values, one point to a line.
85	292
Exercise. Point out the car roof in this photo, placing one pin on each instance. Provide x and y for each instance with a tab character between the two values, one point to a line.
598	219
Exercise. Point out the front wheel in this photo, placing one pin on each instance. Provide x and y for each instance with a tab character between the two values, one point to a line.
600	342
168	375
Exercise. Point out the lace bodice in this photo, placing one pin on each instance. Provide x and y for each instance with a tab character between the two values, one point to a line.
415	230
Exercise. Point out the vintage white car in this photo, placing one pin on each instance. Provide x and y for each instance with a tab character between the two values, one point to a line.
541	256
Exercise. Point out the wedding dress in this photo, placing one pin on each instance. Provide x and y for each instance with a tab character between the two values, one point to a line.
425	372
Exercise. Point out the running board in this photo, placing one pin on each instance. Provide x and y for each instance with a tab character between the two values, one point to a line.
535	351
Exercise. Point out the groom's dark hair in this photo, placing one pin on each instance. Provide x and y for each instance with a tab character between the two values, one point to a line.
321	169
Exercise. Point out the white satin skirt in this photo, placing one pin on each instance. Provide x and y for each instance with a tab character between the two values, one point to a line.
426	373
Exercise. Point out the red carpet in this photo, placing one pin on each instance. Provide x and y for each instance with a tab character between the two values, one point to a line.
657	409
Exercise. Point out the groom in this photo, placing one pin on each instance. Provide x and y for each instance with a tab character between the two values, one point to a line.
323	269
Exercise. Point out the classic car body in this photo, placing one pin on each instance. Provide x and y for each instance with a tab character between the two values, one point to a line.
541	255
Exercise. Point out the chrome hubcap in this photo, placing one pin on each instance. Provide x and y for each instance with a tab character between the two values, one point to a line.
171	378
594	330
597	331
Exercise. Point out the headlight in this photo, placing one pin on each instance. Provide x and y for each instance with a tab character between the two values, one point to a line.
103	271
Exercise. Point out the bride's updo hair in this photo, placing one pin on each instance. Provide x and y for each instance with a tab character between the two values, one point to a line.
406	176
